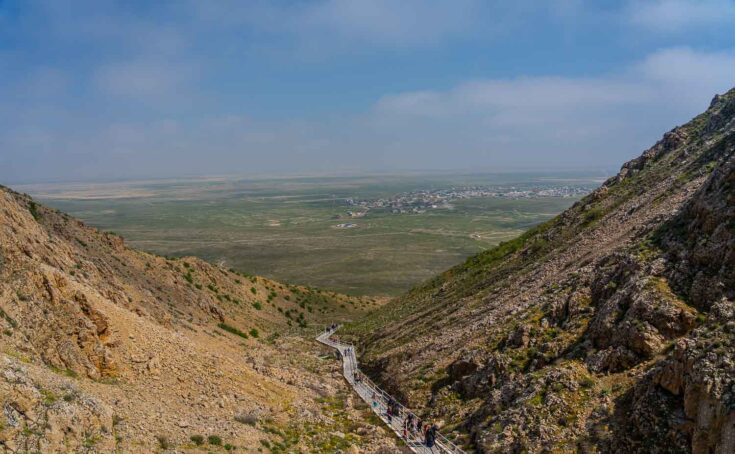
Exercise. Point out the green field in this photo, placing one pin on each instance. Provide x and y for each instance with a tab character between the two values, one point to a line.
285	228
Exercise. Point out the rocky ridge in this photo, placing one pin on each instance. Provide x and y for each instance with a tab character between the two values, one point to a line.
607	329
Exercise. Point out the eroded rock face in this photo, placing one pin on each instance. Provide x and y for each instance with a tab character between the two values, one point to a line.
484	377
689	398
636	314
63	326
55	417
701	241
671	141
462	367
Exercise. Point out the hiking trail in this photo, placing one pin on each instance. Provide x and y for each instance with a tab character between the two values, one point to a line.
378	400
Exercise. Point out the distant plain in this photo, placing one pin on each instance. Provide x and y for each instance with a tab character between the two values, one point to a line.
286	228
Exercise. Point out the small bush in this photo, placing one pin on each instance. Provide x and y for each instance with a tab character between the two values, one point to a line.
214	440
257	306
587	382
249	419
48	397
229	447
197	439
254	290
163	442
233	330
254	333
33	208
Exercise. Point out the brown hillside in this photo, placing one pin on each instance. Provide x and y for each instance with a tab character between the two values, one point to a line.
107	349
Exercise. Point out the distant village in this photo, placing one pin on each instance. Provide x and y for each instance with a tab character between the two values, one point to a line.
421	201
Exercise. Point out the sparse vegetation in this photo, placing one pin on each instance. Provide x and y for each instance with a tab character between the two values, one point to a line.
33	208
233	330
249	419
197	439
163	442
214	440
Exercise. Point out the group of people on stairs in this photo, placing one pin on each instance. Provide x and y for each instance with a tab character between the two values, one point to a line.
408	425
413	427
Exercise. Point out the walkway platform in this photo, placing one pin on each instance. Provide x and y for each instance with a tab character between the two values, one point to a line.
378	400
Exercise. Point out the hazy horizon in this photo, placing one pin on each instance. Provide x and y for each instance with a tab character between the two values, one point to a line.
338	174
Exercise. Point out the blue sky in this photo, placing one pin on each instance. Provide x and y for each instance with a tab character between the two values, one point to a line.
97	90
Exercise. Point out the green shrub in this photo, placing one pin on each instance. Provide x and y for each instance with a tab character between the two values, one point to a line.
33	208
214	440
593	215
197	439
233	330
257	306
254	332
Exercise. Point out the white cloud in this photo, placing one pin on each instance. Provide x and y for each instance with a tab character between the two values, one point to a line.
684	65
676	15
582	119
689	75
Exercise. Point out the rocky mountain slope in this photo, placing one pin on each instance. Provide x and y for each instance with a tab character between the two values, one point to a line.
610	328
107	349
